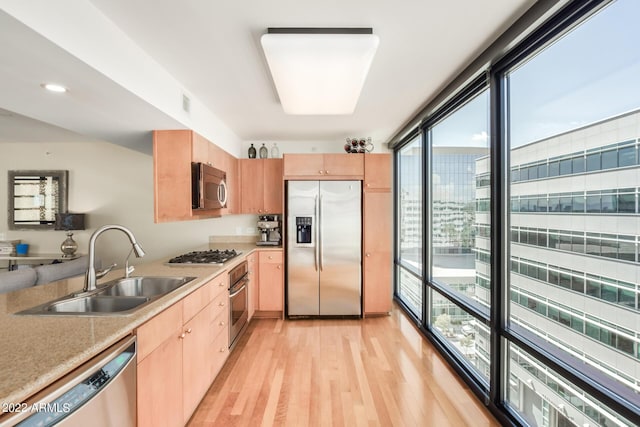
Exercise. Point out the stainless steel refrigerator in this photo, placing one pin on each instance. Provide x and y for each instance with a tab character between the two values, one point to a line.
324	248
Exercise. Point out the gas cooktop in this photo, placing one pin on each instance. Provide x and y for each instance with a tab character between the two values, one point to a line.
210	257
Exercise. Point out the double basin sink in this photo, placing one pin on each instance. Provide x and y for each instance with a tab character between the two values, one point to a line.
118	297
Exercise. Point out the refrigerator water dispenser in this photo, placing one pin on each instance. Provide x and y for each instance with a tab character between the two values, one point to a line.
303	226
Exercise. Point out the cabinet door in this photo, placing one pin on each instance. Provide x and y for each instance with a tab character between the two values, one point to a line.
303	165
377	171
233	186
344	165
272	186
251	183
200	149
196	355
252	265
377	252
271	296
172	175
159	389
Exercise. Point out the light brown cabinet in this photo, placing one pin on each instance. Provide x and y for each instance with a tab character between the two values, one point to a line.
271	288
196	353
261	186
323	166
378	234
178	355
377	259
173	153
377	171
159	370
254	282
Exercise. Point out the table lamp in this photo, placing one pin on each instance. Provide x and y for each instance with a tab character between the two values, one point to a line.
69	221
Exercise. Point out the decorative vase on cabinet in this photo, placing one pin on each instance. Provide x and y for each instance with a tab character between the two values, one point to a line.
264	152
252	152
275	151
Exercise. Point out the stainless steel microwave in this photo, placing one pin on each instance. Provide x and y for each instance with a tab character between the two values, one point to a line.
208	187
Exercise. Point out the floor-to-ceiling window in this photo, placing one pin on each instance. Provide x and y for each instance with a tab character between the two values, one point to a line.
410	214
459	200
529	195
573	129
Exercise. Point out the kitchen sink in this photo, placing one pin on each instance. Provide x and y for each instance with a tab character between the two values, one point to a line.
96	304
116	298
143	286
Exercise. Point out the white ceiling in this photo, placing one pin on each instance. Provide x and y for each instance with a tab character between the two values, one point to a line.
212	49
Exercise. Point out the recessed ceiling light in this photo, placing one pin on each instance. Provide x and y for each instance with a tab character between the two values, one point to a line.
53	87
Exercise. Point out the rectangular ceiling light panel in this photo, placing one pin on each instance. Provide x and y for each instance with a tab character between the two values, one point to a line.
319	73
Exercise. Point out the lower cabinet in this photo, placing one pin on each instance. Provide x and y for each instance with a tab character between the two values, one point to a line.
252	265
271	272
180	351
377	262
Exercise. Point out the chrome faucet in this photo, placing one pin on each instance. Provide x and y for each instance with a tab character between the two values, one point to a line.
91	277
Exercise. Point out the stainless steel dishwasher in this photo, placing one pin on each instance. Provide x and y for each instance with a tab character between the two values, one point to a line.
102	392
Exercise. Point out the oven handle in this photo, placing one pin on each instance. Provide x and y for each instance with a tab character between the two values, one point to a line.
239	290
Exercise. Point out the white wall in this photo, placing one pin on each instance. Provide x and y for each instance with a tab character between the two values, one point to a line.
112	185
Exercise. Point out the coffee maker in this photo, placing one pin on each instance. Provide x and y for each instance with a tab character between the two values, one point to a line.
269	227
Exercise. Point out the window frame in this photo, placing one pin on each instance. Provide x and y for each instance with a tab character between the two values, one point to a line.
502	332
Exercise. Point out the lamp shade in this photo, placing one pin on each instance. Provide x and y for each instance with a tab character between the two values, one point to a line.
319	70
70	221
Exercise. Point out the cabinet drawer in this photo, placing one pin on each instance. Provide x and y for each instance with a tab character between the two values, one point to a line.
220	305
220	324
220	352
220	285
271	257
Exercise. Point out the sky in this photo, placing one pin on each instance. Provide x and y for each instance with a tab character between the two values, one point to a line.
589	74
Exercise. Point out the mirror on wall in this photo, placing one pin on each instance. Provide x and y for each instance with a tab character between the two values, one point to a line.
35	197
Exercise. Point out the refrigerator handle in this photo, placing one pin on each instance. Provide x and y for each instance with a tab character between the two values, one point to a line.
315	232
320	230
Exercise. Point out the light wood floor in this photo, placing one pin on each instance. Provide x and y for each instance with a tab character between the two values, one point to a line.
371	372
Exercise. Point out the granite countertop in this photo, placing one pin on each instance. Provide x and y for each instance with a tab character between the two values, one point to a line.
37	350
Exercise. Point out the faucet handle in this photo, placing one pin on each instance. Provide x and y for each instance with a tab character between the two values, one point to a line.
103	272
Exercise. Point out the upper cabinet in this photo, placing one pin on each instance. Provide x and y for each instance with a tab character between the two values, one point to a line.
261	186
377	171
173	153
324	166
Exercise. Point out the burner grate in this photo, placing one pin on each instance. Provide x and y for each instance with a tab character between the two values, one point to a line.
212	256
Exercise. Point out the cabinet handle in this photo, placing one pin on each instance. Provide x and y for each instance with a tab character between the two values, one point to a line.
321	172
182	335
279	266
221	323
189	330
221	303
367	185
368	254
222	349
259	210
221	284
270	257
326	172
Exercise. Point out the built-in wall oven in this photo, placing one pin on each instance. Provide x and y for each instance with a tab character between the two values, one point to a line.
238	301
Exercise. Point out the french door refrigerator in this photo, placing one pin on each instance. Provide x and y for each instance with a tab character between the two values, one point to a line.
324	252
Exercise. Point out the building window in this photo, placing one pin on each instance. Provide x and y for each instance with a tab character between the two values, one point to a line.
547	124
